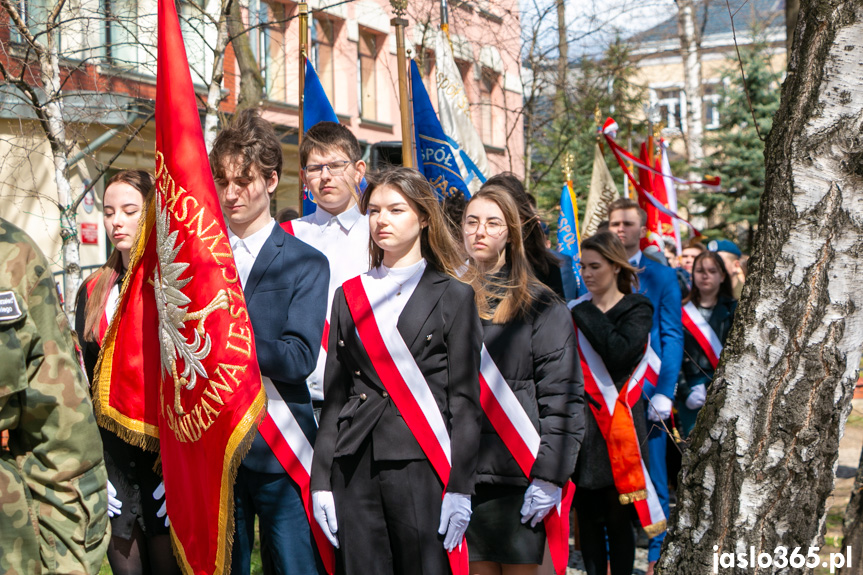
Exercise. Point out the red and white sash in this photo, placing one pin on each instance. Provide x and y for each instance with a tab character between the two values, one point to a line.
285	437
408	388
707	339
521	438
614	418
289	228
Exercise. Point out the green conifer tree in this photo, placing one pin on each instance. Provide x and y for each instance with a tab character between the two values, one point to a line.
738	151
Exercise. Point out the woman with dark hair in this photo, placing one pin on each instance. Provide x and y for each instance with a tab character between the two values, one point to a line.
707	316
546	267
140	540
613	326
530	343
395	457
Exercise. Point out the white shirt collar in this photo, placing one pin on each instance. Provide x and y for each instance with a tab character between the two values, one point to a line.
346	219
255	242
636	259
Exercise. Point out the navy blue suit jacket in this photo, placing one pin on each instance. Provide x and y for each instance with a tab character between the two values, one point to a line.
659	284
286	295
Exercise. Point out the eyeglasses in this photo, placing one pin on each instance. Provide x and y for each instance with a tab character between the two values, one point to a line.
336	168
493	228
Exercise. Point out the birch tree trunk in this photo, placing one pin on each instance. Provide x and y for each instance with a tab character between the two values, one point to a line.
852	526
214	90
563	59
692	86
761	463
48	107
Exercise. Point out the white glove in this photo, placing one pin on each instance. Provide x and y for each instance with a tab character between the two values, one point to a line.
324	509
454	516
659	408
697	397
114	504
158	494
539	499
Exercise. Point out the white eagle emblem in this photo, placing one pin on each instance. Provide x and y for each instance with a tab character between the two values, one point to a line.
171	303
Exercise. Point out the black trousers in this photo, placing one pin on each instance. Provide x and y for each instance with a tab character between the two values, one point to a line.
388	514
600	514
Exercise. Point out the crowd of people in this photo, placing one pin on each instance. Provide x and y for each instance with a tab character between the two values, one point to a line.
452	334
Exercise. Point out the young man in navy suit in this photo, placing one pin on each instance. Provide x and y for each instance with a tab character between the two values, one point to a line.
659	283
285	283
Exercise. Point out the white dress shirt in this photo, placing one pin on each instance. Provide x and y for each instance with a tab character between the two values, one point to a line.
635	260
344	240
246	250
390	290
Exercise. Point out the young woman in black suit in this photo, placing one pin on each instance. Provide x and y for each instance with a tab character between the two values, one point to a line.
529	336
376	492
616	322
140	539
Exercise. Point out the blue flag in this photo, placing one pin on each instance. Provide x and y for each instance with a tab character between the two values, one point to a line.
435	158
316	108
568	240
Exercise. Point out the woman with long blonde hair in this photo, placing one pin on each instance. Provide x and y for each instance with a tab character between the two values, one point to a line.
140	540
530	341
403	357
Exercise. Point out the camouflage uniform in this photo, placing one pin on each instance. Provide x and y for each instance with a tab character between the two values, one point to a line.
53	499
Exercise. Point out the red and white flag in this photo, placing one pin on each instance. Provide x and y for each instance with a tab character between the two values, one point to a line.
695	324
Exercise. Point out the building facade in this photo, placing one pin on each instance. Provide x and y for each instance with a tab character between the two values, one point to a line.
107	70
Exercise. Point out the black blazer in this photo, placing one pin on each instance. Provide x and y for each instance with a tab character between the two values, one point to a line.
538	357
442	330
286	295
619	337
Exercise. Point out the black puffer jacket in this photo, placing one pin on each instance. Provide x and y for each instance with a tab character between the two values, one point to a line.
619	337
538	357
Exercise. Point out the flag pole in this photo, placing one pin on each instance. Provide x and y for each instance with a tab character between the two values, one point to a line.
303	8
399	7
444	17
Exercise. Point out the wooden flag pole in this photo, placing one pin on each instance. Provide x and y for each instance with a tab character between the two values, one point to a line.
303	8
400	22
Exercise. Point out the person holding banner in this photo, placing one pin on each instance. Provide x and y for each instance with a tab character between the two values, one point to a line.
395	461
707	316
283	280
140	540
613	326
530	351
332	169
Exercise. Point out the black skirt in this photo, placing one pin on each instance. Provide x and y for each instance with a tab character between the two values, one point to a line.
496	533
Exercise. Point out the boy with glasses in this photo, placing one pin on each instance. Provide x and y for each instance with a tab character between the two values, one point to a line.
332	171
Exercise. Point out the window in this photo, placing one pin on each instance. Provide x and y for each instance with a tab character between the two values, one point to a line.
121	32
668	102
486	93
711	107
367	52
267	38
323	33
193	23
35	14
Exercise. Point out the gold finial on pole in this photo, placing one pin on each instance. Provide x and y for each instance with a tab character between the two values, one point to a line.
303	9
568	162
597	116
400	23
657	130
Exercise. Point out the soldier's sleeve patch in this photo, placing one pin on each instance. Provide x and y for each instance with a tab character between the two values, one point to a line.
10	310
